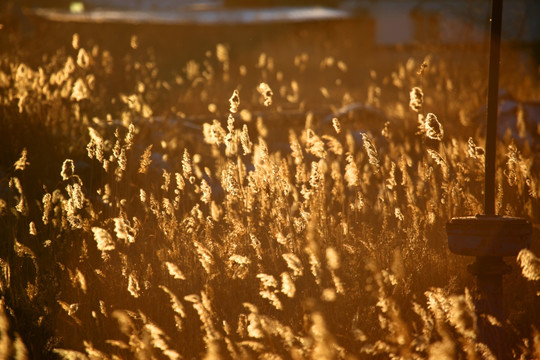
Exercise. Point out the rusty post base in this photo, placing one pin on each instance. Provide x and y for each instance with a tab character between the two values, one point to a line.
489	271
489	238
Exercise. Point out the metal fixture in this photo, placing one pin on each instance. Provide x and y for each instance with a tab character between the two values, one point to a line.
489	237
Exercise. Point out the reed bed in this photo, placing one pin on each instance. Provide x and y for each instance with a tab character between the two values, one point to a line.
133	228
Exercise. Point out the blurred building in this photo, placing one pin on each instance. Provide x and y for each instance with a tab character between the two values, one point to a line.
449	21
394	22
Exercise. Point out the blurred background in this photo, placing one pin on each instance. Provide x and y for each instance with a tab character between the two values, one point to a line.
374	42
351	25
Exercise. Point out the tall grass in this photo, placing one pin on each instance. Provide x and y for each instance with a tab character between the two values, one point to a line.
249	233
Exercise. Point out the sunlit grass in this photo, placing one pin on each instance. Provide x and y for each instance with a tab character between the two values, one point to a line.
242	235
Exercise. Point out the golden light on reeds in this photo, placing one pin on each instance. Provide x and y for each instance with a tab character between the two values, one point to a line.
234	102
266	92
265	228
433	128
416	99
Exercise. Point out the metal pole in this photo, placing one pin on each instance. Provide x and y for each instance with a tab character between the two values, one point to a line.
490	269
493	95
489	237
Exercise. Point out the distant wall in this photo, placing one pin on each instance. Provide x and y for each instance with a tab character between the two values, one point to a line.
447	22
395	21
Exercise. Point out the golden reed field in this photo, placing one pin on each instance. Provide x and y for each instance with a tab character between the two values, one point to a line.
166	200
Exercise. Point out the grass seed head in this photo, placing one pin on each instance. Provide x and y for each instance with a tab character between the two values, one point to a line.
234	102
336	124
433	127
103	239
371	151
83	59
530	264
266	92
68	169
416	99
23	161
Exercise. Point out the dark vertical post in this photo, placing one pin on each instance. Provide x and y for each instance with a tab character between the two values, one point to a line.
493	95
490	269
489	237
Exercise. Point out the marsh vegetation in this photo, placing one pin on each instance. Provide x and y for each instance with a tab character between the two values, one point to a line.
229	210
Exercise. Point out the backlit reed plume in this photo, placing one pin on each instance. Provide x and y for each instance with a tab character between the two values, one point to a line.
145	160
433	127
530	264
234	102
336	124
266	92
23	161
371	151
104	240
68	169
416	99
